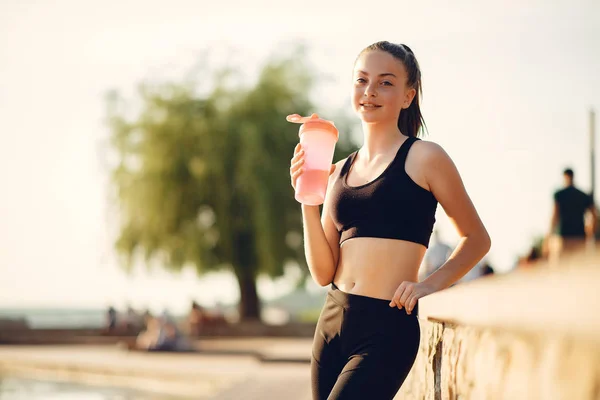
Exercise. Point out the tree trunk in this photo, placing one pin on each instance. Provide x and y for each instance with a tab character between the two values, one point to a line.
249	307
244	266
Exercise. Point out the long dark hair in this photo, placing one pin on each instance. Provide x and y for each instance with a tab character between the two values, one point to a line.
410	120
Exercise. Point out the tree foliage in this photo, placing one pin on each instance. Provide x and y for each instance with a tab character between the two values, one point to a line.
203	178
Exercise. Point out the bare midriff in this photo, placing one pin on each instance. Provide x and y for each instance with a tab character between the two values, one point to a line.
375	267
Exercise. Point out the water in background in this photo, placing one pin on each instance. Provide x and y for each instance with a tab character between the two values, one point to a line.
25	389
41	318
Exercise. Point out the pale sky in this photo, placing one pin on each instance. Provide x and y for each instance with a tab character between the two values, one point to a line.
507	91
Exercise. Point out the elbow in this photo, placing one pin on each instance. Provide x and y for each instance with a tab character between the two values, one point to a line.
323	278
323	270
324	282
486	242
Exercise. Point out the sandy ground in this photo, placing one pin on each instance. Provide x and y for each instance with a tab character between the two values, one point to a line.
256	368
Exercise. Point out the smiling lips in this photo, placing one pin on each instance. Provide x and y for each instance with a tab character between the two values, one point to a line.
369	106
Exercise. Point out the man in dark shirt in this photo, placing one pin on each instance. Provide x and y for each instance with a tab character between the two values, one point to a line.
568	218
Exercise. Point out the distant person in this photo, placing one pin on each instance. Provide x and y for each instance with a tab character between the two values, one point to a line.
162	334
170	338
531	259
568	218
195	319
487	269
111	319
148	337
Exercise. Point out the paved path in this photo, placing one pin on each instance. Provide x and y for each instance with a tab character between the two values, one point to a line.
227	369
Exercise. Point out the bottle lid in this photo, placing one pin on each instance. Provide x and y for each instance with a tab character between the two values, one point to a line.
313	122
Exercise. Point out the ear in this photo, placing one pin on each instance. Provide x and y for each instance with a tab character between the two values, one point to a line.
410	95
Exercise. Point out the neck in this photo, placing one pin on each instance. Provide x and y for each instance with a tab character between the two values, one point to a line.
379	138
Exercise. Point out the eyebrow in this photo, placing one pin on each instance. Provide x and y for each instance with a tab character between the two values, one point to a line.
381	75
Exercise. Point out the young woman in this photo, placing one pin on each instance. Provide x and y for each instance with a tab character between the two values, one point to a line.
375	226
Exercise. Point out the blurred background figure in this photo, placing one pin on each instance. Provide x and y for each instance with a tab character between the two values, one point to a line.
531	259
487	269
572	207
111	320
195	319
162	334
149	336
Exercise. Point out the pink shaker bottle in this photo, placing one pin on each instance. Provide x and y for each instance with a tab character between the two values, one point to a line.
318	138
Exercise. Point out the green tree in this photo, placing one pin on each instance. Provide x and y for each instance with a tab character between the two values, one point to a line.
203	179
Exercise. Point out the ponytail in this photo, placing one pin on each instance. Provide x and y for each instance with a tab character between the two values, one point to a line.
410	120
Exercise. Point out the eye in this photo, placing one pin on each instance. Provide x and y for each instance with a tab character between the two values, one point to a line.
387	83
360	80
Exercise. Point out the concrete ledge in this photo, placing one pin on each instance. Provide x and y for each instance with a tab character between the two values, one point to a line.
560	301
531	334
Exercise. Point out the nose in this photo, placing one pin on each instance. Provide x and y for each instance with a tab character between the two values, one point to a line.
370	91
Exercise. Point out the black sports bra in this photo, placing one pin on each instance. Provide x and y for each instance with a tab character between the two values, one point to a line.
391	206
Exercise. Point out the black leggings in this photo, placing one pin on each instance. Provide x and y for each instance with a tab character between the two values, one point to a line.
363	348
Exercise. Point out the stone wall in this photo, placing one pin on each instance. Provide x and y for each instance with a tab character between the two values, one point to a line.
458	362
527	354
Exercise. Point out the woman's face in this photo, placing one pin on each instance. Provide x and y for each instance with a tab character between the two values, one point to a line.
379	90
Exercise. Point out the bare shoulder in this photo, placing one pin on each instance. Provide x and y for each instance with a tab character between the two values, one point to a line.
429	152
426	160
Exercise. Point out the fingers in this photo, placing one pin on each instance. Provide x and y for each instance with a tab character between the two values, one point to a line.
297	156
297	148
396	299
295	172
295	176
408	291
296	164
411	303
406	297
296	169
